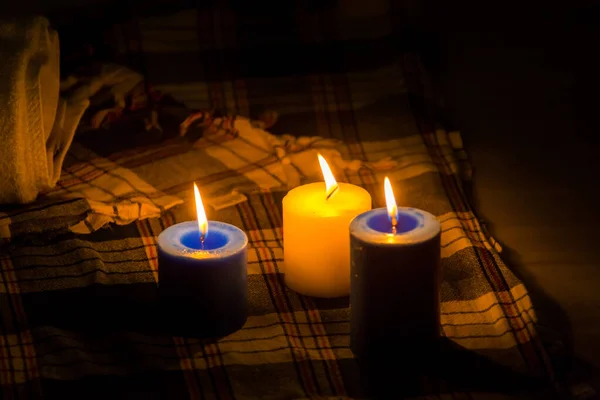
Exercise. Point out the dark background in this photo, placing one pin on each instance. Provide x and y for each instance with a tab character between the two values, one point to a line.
522	86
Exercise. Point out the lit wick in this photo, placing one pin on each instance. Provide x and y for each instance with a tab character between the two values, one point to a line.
331	193
331	186
201	215
390	201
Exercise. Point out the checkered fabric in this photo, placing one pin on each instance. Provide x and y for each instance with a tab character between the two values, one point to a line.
91	192
79	312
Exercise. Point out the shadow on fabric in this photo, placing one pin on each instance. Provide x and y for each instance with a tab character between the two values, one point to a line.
449	368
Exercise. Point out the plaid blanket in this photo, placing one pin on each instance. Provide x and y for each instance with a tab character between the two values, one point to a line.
91	192
79	313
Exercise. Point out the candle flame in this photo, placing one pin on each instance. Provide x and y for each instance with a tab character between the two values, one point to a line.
202	220
331	186
390	201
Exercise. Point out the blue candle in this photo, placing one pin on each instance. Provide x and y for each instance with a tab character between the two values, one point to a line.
202	277
395	279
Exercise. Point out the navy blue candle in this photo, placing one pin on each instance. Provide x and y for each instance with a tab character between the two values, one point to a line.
395	280
202	277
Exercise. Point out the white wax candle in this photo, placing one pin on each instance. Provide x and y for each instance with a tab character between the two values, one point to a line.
317	239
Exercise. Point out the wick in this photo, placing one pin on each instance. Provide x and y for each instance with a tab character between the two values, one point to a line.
332	192
202	241
394	224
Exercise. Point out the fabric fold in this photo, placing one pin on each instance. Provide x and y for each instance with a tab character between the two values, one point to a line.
37	124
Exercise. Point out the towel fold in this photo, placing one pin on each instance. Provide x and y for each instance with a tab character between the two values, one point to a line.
36	125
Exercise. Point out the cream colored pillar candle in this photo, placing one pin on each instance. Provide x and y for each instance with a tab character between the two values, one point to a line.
316	238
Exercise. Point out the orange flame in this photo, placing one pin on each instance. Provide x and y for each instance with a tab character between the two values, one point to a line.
202	220
390	201
331	186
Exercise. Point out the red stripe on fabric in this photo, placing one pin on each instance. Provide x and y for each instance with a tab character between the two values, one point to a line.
455	196
168	219
350	135
330	360
149	242
24	338
208	355
212	353
81	179
450	183
262	251
77	170
167	145
30	354
5	364
273	211
282	309
520	331
5	367
81	166
225	174
266	259
138	160
185	362
10	283
268	197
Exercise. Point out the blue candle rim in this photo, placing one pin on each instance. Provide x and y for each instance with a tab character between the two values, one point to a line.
213	241
170	240
426	227
405	222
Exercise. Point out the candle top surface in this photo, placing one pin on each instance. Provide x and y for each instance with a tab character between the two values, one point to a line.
312	198
183	240
413	226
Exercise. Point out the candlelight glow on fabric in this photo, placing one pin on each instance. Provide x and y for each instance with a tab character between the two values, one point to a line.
201	214
331	185
390	201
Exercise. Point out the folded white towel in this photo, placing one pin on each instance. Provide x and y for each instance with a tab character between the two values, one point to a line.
36	126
